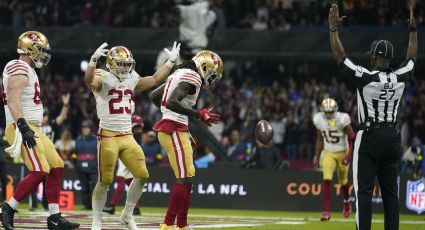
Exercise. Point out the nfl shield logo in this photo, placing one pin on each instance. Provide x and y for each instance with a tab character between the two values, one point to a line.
415	196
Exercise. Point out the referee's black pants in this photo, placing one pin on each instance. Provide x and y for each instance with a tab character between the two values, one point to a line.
376	154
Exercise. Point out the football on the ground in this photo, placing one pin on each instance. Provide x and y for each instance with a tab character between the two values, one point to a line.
264	132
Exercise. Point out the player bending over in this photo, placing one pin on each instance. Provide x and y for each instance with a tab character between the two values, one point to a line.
335	137
179	95
113	91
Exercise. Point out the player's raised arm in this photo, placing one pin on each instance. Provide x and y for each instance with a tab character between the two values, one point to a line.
334	21
156	95
160	75
93	82
412	49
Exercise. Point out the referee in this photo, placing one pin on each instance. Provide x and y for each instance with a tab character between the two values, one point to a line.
377	148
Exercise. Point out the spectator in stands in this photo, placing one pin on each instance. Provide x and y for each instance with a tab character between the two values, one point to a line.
65	146
306	134
291	137
238	150
50	126
265	156
278	125
194	22
152	149
85	162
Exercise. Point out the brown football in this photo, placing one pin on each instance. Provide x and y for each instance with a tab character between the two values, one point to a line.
264	132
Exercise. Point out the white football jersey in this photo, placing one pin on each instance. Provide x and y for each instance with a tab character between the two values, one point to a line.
180	75
333	131
113	102
31	105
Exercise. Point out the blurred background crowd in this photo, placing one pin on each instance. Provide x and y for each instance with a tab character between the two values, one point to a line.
286	93
256	14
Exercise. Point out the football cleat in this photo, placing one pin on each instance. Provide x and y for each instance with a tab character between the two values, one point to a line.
8	214
109	209
56	221
128	222
136	212
326	216
185	228
165	227
346	212
96	226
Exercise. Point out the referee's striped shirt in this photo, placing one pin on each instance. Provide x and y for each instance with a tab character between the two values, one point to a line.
378	91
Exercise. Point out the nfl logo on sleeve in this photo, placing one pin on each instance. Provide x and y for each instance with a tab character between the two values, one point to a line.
415	196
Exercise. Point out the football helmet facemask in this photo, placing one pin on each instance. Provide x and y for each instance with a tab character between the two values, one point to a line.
119	60
210	67
329	108
36	46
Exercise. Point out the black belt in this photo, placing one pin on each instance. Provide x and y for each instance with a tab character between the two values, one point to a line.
378	125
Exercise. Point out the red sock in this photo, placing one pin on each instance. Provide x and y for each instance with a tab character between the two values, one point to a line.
28	184
53	186
346	191
184	208
118	191
177	196
326	195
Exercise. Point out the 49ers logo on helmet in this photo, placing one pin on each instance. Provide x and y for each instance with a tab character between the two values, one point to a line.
33	37
215	60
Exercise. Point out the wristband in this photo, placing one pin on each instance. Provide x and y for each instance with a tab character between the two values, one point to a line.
169	64
92	63
412	29
333	29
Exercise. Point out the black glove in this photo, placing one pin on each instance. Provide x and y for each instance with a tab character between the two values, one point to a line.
28	137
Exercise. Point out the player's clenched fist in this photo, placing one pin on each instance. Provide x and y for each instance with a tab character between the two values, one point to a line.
206	116
101	51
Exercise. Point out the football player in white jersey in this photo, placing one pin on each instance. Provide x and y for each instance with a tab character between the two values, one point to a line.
334	139
176	98
24	114
113	91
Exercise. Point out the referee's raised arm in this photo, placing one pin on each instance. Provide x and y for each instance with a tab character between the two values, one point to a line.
412	49
334	21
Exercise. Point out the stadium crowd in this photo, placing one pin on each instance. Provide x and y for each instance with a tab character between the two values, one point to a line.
256	14
288	98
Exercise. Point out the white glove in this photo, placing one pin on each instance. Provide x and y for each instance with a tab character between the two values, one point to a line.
173	55
101	51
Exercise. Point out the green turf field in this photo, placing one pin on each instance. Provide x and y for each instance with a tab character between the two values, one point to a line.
227	219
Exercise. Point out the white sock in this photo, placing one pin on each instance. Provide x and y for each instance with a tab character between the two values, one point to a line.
133	196
53	208
98	200
13	203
